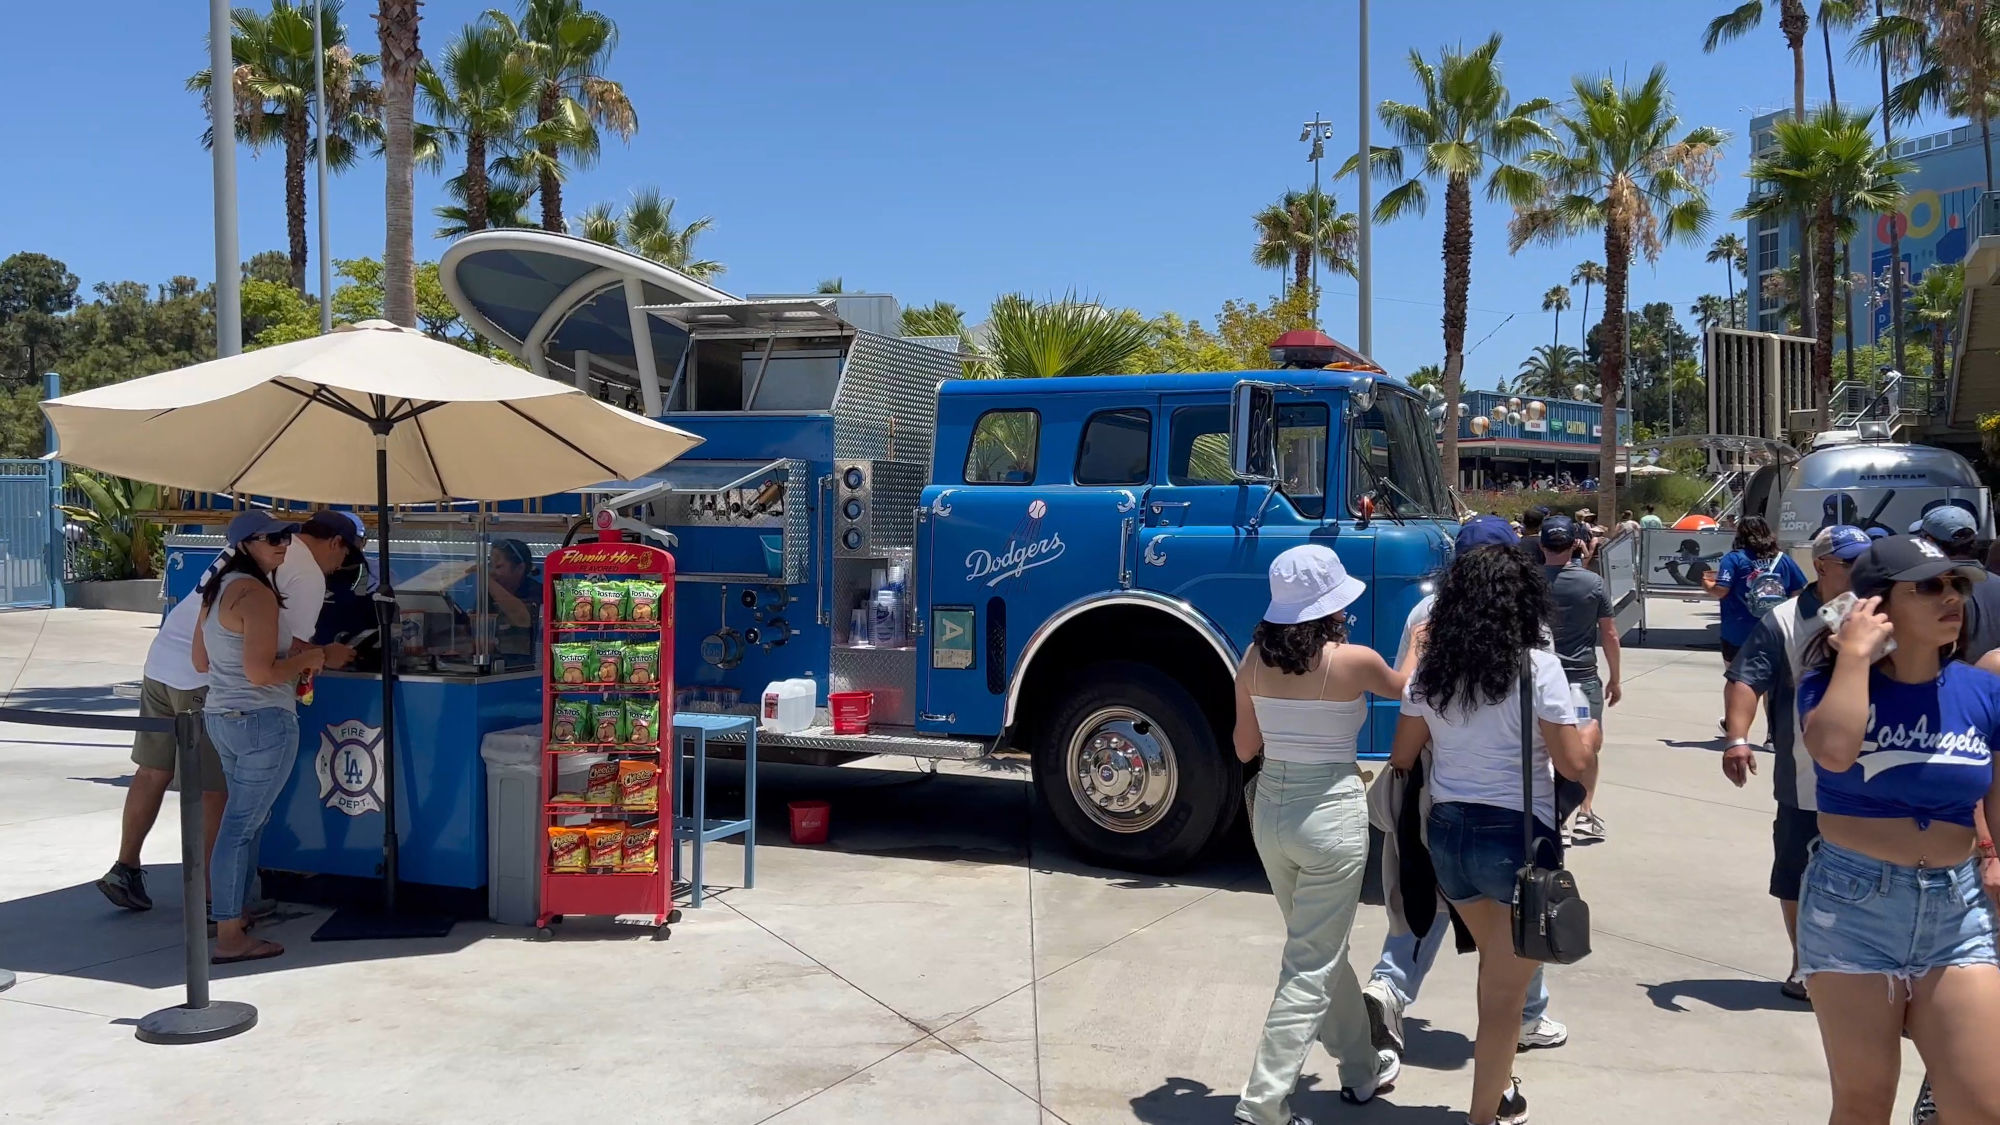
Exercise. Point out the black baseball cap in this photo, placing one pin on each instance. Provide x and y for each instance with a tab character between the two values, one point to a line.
1905	558
1558	533
329	524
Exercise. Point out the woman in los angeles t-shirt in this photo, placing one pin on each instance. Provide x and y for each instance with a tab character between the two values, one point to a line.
1896	929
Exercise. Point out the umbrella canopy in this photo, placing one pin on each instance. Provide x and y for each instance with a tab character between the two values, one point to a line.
300	420
1647	471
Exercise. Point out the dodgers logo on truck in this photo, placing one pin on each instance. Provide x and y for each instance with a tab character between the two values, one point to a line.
1026	549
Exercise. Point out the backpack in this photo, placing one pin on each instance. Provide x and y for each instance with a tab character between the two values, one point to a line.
1767	587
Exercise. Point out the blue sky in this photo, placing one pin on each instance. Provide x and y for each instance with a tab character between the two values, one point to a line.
932	150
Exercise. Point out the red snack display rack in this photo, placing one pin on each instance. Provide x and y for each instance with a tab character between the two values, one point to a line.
612	888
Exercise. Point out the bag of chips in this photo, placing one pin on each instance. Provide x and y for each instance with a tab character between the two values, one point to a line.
570	663
642	663
569	721
609	599
606	843
636	789
573	603
607	722
640	850
607	662
642	721
567	848
644	600
600	786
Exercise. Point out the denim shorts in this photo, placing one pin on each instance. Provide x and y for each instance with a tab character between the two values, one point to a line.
1861	915
1476	849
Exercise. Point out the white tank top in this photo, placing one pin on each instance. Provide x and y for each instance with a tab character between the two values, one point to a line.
1308	731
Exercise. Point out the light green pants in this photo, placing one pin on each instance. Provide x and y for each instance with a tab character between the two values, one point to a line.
1311	828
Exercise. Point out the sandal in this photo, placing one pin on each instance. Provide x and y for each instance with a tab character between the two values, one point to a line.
258	952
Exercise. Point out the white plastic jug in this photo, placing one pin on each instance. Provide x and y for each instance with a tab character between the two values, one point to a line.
788	706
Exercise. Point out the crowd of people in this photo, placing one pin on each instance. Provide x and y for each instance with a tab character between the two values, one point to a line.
1880	679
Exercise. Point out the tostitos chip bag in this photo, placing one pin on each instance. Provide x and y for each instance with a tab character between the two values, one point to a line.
570	663
643	598
607	722
569	721
642	663
642	721
640	849
568	849
608	600
607	662
573	601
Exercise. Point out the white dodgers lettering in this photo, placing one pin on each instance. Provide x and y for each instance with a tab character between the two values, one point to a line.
1911	744
1015	559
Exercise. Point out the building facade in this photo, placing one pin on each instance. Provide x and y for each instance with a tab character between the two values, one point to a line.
1937	222
1759	386
1563	442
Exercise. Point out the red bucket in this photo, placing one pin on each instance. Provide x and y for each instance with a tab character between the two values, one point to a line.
851	710
809	821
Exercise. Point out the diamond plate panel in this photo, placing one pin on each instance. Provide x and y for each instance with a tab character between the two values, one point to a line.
888	672
886	408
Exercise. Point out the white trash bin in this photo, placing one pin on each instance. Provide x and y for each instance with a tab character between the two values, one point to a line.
514	837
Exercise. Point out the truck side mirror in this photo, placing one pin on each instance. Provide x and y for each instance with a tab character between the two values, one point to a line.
1253	433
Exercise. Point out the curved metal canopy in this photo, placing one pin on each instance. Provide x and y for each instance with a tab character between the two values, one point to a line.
570	308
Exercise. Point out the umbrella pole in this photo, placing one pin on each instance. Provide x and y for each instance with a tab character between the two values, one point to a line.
385	619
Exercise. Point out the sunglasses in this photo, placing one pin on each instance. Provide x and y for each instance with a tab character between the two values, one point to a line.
274	538
1933	587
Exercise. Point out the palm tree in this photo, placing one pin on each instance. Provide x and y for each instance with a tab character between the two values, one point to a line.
274	99
831	285
396	26
646	228
1427	375
566	47
1288	229
1465	124
1556	300
939	318
1709	309
478	98
1620	169
506	206
1729	250
1027	339
1952	56
1549	371
1587	273
1793	22
1934	307
1825	168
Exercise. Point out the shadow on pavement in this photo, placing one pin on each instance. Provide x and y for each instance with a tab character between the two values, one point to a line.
1730	994
1697	640
1183	1101
121	782
1434	1048
90	700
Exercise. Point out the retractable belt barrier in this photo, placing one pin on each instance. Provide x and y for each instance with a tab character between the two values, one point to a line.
199	1019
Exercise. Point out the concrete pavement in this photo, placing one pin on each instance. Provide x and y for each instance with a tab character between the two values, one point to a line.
943	959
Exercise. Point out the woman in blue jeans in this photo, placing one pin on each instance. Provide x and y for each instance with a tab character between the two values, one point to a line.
1301	699
1465	700
251	714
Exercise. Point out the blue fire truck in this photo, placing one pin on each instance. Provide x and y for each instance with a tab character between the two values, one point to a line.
1067	567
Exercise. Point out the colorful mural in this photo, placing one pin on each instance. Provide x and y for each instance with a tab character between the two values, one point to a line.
1933	226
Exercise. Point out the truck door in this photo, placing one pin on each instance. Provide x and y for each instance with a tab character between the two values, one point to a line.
1044	513
1210	542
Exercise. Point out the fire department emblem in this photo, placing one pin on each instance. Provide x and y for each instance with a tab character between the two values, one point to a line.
349	766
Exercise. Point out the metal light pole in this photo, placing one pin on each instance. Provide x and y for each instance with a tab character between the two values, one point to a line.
1318	131
1365	302
222	115
319	132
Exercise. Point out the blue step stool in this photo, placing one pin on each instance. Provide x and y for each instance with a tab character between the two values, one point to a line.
692	731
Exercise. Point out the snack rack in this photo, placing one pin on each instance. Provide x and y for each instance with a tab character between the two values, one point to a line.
604	889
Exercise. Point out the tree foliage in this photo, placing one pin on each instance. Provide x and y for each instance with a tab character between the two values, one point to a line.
1240	340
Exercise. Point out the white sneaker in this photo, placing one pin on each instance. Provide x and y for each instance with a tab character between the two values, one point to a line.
1543	1032
1388	1066
1385	1015
1589	826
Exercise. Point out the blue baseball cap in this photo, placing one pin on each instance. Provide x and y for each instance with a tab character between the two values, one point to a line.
1877	531
1948	524
1558	533
1486	531
1842	541
250	524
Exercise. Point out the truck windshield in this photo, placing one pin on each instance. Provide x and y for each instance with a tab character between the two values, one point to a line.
1394	456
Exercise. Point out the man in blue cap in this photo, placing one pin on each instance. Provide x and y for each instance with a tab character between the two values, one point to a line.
1768	666
1955	530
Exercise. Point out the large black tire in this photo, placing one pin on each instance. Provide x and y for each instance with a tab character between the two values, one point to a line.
1138	709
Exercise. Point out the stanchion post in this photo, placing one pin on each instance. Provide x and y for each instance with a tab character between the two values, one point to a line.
199	1020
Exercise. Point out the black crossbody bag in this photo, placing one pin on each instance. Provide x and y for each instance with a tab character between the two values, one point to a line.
1551	920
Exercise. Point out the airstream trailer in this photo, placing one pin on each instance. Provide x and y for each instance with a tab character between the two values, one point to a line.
1845	478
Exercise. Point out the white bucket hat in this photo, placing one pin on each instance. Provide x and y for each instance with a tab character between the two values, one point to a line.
1308	583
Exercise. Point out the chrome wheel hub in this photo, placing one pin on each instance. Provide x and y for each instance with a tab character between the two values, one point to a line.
1121	770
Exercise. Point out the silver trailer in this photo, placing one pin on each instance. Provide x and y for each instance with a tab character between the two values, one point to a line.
1845	477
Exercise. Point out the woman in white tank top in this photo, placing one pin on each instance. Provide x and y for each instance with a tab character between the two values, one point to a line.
1301	701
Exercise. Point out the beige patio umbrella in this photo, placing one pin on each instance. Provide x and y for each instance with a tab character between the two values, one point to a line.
367	414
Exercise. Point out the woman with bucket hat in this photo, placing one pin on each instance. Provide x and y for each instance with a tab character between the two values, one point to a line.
1301	701
251	713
